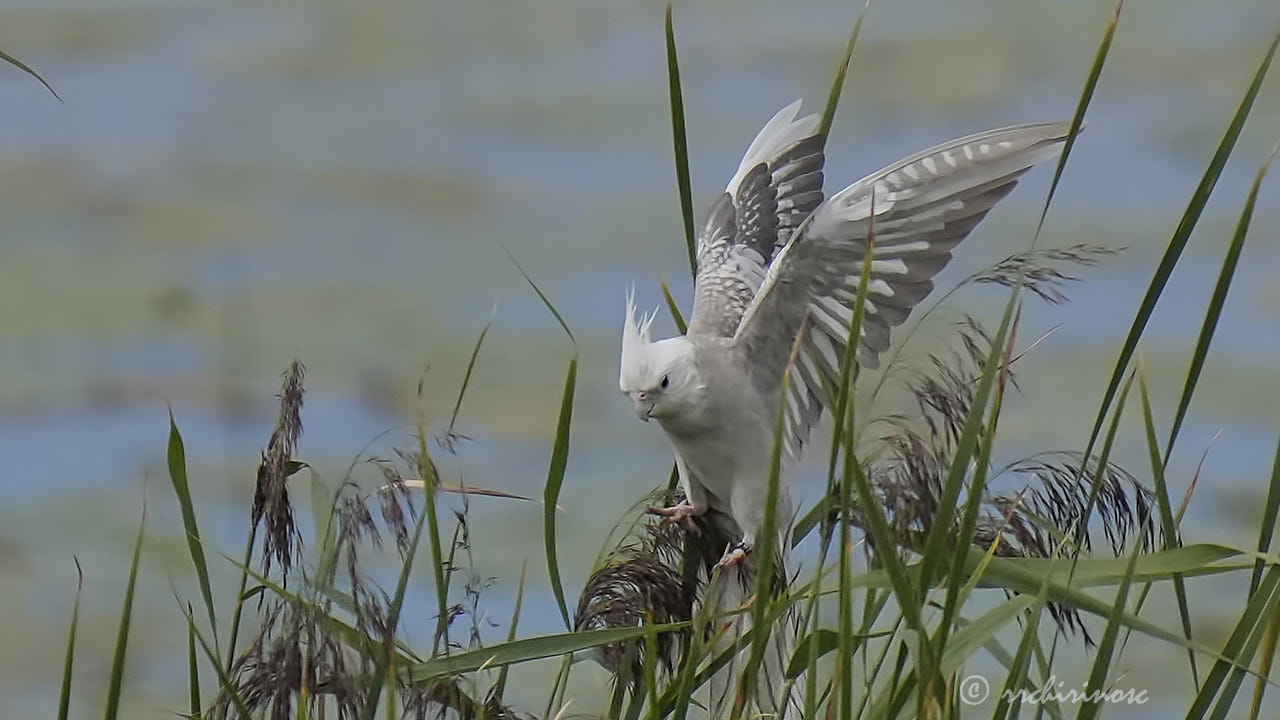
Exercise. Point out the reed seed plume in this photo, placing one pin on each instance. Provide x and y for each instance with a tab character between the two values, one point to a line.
640	582
1042	271
271	504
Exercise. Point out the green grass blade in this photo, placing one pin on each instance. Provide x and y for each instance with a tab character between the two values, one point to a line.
1077	120
1237	643
1106	648
224	679
430	483
680	144
116	681
353	637
64	697
1028	578
1264	669
551	492
936	550
957	587
500	687
680	695
1216	302
471	366
1270	509
965	642
767	544
976	634
837	84
27	69
177	460
1082	523
384	660
1236	677
894	570
559	454
1009	704
526	649
1169	527
674	309
193	671
842	684
240	598
1173	252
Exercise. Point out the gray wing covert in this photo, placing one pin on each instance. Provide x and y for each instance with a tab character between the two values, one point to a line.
924	206
777	185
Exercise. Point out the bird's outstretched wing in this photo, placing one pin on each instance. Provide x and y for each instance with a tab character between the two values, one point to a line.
924	206
777	185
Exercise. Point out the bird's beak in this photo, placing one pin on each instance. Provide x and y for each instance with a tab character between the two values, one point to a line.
643	405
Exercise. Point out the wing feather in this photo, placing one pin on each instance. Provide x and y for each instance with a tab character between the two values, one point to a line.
777	184
924	205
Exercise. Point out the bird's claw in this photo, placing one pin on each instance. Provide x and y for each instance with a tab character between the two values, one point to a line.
682	514
734	555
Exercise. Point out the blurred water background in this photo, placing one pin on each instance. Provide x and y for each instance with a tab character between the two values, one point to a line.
229	185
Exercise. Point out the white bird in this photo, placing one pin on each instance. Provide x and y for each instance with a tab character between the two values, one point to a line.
775	260
770	254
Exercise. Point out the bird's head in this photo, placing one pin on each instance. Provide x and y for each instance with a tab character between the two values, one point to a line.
659	377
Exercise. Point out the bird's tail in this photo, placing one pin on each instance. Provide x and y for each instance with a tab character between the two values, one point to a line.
770	694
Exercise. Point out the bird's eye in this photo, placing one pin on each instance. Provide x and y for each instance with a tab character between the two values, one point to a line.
665	382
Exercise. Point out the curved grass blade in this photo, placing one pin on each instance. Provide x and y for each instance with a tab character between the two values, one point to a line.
1264	668
1106	648
1173	252
240	598
27	69
1082	522
471	366
766	544
116	681
674	309
224	680
386	658
64	697
1264	543
842	685
965	642
193	671
177	461
680	143
1238	643
555	479
430	479
1270	510
958	587
1010	703
353	637
559	453
526	649
1216	302
935	550
1077	120
501	686
837	84
1169	526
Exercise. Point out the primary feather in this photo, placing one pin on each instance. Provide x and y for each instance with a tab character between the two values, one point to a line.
924	206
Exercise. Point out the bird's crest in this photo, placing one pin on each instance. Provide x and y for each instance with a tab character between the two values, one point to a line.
635	346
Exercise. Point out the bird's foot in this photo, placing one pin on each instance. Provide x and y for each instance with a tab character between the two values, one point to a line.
683	513
734	555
